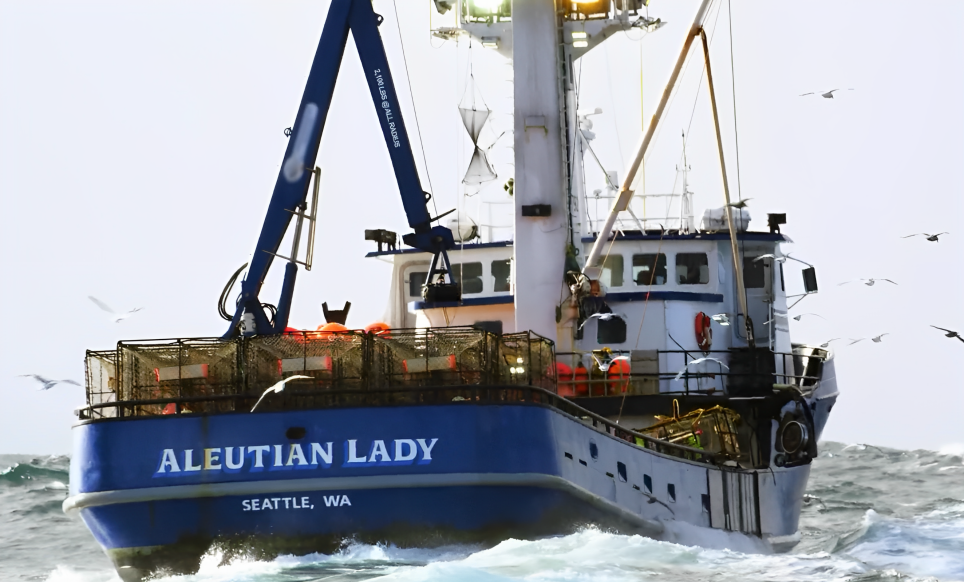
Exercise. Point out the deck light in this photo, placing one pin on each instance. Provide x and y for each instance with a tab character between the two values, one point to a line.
580	34
490	42
580	43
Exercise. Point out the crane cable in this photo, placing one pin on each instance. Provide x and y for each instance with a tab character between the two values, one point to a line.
418	130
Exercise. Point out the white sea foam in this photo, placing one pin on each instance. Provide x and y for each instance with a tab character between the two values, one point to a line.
68	574
952	450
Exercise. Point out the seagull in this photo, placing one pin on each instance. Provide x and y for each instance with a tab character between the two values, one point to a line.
277	388
825	95
721	318
949	333
697	361
740	204
867	282
117	317
826	344
879	338
605	364
775	315
48	384
769	256
853	341
797	317
603	317
930	237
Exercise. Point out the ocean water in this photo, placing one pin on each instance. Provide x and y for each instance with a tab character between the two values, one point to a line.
871	514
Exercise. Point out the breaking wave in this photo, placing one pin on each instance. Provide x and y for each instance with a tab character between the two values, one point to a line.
871	514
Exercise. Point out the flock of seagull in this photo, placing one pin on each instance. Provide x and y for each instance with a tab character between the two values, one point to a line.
115	316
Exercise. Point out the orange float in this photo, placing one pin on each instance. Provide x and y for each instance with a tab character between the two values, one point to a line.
563	375
618	375
378	328
704	331
581	377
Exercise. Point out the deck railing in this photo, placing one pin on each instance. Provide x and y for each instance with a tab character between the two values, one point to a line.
640	372
163	376
350	369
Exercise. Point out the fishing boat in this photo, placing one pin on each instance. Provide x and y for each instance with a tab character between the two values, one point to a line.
609	369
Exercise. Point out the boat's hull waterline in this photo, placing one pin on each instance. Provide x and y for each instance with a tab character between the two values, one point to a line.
158	492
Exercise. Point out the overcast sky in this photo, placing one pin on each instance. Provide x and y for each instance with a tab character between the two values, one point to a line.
140	141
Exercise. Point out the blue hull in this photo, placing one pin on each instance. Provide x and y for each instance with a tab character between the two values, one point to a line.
303	481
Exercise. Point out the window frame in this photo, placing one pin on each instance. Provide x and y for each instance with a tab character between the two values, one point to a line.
655	265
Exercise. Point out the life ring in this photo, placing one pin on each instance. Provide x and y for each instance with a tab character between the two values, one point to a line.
704	331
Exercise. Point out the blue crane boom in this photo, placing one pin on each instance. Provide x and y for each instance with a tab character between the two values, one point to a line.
291	188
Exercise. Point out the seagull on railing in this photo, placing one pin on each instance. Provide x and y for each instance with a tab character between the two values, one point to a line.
721	318
116	317
47	384
604	365
697	361
775	316
277	388
949	333
603	317
930	237
868	282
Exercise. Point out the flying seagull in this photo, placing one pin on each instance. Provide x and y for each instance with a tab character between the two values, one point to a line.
603	317
769	256
867	282
797	317
740	204
853	341
48	384
605	364
949	333
825	95
116	317
879	338
697	361
930	237
277	388
721	318
826	344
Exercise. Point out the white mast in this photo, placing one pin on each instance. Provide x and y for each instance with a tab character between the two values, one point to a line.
540	241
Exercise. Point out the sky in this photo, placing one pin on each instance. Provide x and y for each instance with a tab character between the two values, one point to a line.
140	142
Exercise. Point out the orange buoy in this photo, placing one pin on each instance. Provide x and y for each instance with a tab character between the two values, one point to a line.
704	331
581	377
618	375
377	328
563	375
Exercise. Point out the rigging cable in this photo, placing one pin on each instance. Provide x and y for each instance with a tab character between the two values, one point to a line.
418	130
736	131
652	276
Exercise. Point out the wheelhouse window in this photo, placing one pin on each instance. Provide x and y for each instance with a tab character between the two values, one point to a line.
612	271
501	271
469	276
754	273
692	269
649	269
416	279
